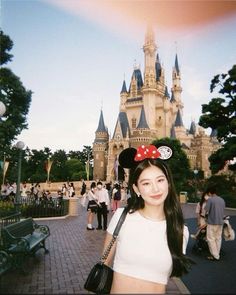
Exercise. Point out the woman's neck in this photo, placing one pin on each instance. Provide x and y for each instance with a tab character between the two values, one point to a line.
155	213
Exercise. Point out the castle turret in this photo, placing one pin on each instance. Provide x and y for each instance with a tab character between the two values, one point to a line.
149	49
176	84
100	148
180	130
142	133
123	96
193	128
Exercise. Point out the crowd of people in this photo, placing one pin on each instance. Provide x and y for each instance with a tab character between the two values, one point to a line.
27	191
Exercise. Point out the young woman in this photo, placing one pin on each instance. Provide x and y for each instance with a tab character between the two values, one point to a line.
92	205
116	197
201	214
152	241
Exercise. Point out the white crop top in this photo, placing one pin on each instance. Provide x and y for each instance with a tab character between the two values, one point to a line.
142	251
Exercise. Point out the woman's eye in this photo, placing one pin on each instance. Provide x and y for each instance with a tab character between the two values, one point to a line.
161	180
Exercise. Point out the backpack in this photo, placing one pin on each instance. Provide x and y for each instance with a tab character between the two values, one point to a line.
117	195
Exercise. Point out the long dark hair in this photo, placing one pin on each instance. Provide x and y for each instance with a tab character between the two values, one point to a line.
172	210
202	201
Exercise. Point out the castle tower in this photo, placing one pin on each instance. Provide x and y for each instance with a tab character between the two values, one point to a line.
100	148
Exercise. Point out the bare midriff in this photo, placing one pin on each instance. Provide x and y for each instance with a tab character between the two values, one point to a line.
126	284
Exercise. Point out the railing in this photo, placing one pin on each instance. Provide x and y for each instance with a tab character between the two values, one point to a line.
35	207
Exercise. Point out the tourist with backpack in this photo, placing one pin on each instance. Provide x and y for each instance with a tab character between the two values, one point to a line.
116	197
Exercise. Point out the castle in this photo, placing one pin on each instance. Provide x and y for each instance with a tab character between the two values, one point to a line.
148	112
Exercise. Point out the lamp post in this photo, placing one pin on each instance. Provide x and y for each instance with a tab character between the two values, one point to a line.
2	112
20	145
87	164
195	171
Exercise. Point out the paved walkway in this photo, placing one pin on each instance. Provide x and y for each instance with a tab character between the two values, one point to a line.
72	252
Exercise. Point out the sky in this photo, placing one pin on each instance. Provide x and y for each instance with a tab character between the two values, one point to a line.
75	54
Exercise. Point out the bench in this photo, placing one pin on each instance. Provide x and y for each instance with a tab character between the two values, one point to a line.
23	238
15	217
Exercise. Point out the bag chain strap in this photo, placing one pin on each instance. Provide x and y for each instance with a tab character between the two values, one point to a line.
115	234
108	249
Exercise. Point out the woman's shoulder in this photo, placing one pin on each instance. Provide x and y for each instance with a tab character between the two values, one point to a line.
118	212
114	220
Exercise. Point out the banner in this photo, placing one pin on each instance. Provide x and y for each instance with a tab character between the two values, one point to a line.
5	167
48	168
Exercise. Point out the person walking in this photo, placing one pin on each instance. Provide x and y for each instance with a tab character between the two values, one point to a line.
116	197
103	201
83	188
64	190
71	190
152	242
201	214
92	205
215	210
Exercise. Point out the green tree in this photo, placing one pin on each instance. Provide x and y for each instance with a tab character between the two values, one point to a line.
76	169
15	97
59	170
178	163
220	115
36	165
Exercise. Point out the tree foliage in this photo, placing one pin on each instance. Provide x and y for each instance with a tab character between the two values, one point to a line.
179	163
15	97
64	166
6	46
220	115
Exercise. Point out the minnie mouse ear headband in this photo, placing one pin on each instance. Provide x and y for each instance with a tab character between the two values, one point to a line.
131	157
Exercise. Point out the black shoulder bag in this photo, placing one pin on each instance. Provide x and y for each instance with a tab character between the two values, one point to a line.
100	277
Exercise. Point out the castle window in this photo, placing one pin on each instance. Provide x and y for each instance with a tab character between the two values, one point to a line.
102	164
133	123
97	156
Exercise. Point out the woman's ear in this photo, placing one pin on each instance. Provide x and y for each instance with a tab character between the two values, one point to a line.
135	188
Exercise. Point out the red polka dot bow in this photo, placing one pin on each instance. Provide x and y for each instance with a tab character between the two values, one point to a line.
146	152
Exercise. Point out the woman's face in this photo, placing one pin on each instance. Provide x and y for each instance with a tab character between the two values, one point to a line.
152	185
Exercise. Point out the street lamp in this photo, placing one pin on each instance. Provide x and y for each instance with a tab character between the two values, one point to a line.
195	171
87	164
19	145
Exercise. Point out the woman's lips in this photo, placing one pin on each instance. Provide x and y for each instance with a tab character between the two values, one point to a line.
156	196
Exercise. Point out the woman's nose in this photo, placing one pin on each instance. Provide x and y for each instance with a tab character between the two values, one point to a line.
155	187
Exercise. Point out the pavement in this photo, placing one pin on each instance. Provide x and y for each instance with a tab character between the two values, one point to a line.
73	251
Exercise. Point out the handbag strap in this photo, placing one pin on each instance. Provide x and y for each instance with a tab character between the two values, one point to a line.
115	235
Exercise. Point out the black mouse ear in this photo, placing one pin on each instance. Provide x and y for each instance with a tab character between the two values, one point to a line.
126	158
